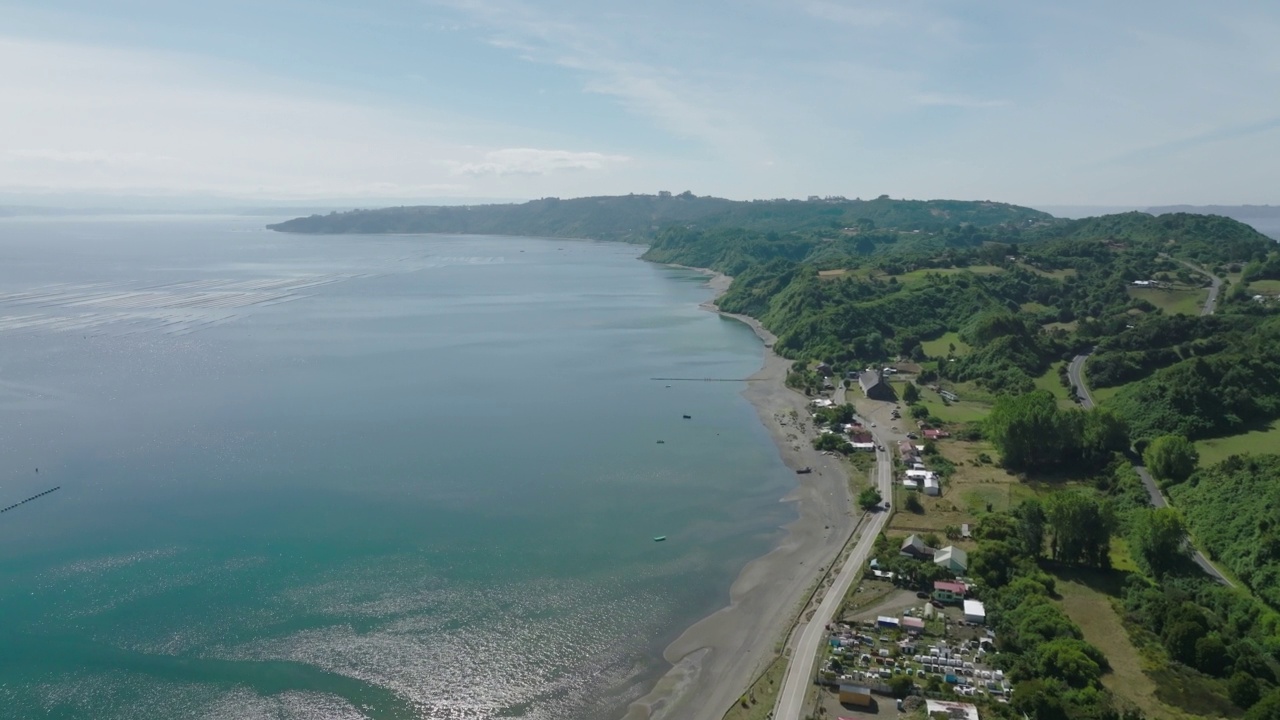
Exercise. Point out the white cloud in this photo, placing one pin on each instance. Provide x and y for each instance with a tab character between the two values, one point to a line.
531	161
679	100
94	119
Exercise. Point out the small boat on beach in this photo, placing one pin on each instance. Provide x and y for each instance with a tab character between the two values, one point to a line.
659	538
804	470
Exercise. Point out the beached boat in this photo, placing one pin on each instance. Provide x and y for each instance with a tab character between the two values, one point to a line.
659	538
804	470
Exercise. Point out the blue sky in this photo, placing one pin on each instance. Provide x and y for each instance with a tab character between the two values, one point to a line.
1026	101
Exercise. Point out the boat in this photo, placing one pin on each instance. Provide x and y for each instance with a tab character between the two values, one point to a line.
688	417
662	442
804	470
659	538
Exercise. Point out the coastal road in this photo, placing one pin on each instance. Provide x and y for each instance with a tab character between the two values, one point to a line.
1074	371
804	653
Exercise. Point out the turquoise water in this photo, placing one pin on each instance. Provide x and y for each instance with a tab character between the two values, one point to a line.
384	477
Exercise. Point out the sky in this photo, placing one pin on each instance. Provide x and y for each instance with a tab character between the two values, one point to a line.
1036	102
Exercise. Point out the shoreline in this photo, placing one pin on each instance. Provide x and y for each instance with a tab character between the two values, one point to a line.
716	659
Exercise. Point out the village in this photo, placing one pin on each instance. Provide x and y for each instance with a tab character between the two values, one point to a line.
913	637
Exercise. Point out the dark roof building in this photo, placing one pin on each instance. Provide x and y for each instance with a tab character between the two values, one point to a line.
875	386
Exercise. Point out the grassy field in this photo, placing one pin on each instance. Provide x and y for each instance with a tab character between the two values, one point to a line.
941	346
1049	381
1033	307
758	701
1257	441
1086	597
1102	395
966	494
916	276
1265	287
1175	300
963	411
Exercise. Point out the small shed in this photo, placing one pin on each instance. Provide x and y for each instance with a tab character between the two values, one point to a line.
931	486
885	621
913	624
975	612
855	695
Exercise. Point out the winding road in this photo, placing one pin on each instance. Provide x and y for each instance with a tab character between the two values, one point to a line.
1075	373
804	653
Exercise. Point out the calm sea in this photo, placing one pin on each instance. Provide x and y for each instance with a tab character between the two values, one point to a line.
384	477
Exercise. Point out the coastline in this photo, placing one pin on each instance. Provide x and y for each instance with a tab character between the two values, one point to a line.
716	660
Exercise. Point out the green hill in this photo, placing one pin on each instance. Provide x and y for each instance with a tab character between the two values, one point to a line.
638	218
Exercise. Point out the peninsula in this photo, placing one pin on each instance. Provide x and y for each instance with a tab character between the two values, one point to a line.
1016	378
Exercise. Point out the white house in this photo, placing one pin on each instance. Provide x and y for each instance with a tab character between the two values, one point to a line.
931	486
911	484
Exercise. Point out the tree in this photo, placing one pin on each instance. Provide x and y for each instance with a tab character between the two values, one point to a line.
1171	457
1030	431
869	498
994	563
1031	521
1211	655
1243	690
1081	527
913	504
1181	638
910	393
900	686
1158	535
1268	708
1069	660
1102	432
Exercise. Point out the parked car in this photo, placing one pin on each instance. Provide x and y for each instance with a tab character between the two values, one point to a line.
922	595
937	604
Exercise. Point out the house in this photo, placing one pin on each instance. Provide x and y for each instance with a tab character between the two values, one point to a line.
951	710
1143	283
885	621
864	446
936	434
911	484
875	386
914	547
918	474
964	530
859	435
950	592
931	486
952	558
855	695
823	369
913	624
975	612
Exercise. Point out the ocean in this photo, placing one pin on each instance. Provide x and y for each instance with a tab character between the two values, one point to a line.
360	476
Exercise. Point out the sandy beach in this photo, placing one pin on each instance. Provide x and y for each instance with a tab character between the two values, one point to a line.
716	659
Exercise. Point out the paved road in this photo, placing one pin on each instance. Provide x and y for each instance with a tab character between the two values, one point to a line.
804	654
1153	490
1077	380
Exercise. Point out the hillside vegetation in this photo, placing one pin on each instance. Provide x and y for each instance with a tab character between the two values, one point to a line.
638	218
